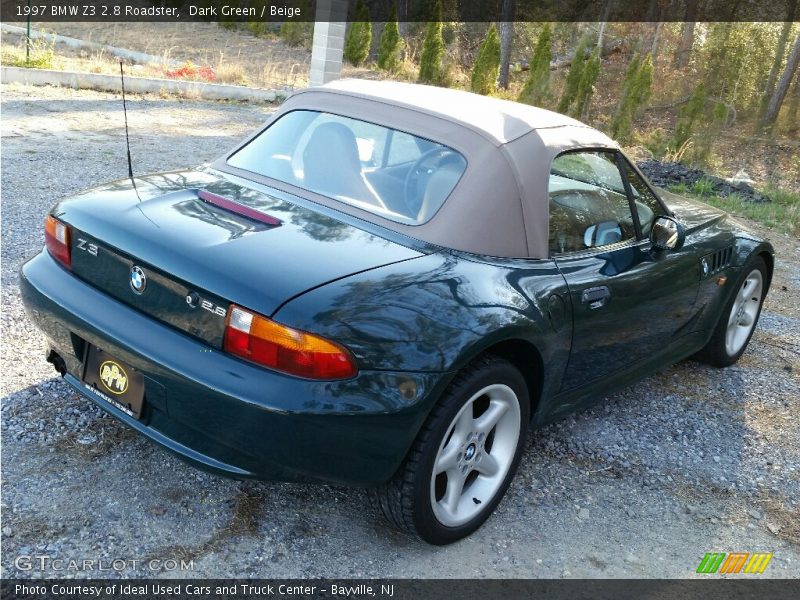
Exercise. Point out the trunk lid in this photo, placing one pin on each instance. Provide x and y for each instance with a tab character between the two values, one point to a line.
197	257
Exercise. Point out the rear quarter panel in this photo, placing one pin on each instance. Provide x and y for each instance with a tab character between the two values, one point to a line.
438	312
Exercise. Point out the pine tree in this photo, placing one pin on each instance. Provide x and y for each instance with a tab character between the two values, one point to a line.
688	116
591	71
537	87
487	65
430	63
636	90
706	138
390	44
359	38
573	77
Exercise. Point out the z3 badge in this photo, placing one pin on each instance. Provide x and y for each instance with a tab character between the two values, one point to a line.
194	300
87	246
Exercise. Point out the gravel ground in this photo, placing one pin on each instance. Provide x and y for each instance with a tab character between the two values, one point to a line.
691	460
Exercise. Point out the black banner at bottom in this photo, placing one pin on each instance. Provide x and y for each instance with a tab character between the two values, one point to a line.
397	589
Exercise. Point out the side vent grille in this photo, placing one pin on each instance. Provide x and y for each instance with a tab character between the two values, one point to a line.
716	261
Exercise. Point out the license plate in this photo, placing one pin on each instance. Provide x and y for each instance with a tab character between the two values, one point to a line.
114	381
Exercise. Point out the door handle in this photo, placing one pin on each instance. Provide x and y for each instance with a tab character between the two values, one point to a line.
595	297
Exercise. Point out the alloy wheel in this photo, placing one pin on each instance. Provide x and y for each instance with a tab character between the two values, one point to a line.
475	455
744	312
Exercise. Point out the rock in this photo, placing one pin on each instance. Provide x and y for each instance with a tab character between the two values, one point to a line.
632	559
583	514
664	174
755	514
774	529
8	532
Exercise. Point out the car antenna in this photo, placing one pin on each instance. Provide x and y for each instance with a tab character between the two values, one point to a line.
127	135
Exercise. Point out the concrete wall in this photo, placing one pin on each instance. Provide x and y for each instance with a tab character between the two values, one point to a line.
138	85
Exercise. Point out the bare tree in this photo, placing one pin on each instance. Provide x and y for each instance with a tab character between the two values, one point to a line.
402	17
506	37
769	88
687	35
775	102
603	23
656	35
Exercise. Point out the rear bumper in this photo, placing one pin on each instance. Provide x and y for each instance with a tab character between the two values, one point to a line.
223	414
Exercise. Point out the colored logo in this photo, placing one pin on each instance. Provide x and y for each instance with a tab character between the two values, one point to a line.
138	279
734	562
113	377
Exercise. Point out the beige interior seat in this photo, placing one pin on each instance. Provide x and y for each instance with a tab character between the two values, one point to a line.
331	165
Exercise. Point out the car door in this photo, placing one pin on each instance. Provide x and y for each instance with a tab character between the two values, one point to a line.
629	302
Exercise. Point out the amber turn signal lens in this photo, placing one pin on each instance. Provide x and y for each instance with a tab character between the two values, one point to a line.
56	238
263	341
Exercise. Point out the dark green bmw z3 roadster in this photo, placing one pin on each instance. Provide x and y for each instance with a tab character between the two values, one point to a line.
386	286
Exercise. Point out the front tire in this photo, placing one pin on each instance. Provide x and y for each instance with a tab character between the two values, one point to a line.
465	456
739	317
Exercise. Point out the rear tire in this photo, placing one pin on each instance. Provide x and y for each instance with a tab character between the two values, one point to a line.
464	457
739	317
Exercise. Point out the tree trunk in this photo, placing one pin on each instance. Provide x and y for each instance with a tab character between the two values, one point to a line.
775	102
402	17
687	36
794	106
656	34
506	37
769	88
603	23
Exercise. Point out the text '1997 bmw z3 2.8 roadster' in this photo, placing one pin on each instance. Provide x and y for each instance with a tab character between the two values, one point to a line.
385	287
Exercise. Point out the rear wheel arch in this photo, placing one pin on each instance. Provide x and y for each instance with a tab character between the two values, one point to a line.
526	358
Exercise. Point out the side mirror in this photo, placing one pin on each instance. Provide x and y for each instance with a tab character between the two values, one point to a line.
667	234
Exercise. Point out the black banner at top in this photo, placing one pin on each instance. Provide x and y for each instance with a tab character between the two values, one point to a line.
407	10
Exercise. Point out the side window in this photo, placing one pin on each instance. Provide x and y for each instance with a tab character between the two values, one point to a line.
647	205
403	149
588	204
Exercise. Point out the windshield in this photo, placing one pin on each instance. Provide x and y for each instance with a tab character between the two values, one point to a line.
394	174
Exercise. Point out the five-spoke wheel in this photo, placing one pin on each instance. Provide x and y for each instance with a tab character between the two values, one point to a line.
464	457
476	454
744	312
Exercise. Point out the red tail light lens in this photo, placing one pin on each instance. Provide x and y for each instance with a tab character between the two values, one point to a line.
56	238
271	344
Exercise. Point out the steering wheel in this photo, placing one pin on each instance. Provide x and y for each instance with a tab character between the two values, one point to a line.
424	166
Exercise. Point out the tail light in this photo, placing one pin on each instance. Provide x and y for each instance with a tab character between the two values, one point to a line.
263	341
56	238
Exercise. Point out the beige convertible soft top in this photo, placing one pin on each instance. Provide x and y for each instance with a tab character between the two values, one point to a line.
500	205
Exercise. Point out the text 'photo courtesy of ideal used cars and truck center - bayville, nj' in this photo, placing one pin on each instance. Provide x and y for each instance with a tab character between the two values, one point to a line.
486	281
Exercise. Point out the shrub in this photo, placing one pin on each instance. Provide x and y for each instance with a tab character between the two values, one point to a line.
430	63
296	33
390	44
359	38
537	88
487	65
688	115
41	55
636	90
591	71
574	76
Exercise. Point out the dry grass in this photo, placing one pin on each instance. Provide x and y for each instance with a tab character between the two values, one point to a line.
247	512
108	433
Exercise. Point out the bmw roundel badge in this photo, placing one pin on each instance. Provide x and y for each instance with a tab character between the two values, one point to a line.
138	279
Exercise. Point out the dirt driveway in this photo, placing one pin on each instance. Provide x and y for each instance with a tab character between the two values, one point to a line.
688	461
